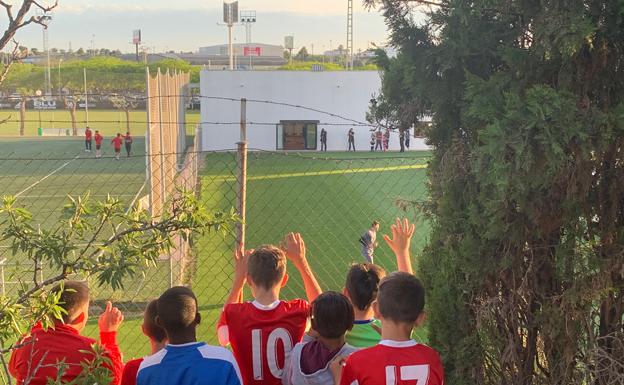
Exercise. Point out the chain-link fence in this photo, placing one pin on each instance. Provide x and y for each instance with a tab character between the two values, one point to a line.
330	198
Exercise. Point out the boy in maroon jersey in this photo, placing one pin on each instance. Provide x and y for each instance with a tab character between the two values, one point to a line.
157	337
397	359
263	332
116	142
98	144
88	135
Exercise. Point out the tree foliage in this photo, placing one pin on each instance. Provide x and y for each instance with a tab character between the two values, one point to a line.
525	265
99	241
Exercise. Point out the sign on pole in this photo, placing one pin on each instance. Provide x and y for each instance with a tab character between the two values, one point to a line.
289	42
136	36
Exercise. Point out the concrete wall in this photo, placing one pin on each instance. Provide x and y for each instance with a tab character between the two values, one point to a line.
346	94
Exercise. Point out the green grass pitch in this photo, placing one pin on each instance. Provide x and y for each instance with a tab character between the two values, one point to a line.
330	199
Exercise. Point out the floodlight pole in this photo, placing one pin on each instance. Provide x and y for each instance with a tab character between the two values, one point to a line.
242	176
231	48
86	96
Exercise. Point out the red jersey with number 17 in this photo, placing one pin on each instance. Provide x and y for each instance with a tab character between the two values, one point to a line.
394	363
263	336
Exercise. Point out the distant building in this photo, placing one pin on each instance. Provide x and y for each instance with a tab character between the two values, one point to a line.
253	49
334	101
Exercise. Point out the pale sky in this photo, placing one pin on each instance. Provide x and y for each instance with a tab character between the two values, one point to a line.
189	24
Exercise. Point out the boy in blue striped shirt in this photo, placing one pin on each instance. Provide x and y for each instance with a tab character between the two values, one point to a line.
184	361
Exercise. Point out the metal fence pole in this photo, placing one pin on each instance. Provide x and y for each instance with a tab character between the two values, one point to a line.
242	175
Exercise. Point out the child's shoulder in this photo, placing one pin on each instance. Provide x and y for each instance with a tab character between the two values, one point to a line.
297	303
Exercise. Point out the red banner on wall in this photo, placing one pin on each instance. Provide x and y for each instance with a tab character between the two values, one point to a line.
252	51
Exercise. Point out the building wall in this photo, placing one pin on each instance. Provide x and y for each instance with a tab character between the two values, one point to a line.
239	49
345	94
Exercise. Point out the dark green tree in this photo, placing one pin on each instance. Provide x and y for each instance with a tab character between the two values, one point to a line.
525	264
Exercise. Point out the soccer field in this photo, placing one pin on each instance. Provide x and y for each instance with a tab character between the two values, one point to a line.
108	122
330	200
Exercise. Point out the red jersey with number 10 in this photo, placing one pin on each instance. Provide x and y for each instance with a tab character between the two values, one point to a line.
394	363
262	336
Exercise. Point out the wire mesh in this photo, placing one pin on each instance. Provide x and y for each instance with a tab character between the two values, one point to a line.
331	200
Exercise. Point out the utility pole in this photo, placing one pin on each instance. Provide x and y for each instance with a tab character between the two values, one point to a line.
86	96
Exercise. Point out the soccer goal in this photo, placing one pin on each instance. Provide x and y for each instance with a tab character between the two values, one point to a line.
60	132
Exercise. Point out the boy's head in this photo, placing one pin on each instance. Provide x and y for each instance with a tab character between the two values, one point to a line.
150	328
375	225
401	299
362	284
266	268
332	315
97	132
119	134
127	133
74	299
177	311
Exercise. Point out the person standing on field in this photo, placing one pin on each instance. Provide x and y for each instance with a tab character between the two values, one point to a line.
372	141
351	137
88	135
128	142
116	142
379	140
407	138
386	140
369	242
323	140
98	144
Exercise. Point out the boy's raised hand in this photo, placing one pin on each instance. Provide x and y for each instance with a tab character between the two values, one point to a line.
402	233
295	249
110	320
241	257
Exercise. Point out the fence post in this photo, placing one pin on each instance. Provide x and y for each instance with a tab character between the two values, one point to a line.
242	175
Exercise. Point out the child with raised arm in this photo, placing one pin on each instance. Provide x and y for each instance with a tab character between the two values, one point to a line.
397	359
263	332
362	286
36	359
184	361
157	337
332	317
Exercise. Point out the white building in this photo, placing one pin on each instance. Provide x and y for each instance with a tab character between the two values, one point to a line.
332	100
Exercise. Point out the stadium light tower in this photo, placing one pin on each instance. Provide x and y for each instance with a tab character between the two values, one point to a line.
45	21
350	35
230	17
248	18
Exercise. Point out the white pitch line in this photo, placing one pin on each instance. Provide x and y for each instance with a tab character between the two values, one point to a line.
46	177
65	196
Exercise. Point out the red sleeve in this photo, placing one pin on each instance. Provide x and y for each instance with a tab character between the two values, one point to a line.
438	371
109	341
348	374
129	375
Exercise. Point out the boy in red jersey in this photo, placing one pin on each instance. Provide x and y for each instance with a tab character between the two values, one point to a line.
36	359
157	337
263	332
98	144
397	359
88	134
116	142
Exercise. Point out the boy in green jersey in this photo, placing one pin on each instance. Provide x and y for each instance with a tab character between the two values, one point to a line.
362	286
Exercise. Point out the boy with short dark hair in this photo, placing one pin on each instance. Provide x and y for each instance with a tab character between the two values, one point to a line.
157	337
397	360
88	135
39	353
332	317
128	143
184	361
263	332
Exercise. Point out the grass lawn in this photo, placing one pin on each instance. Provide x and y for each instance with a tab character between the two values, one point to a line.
108	122
331	200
